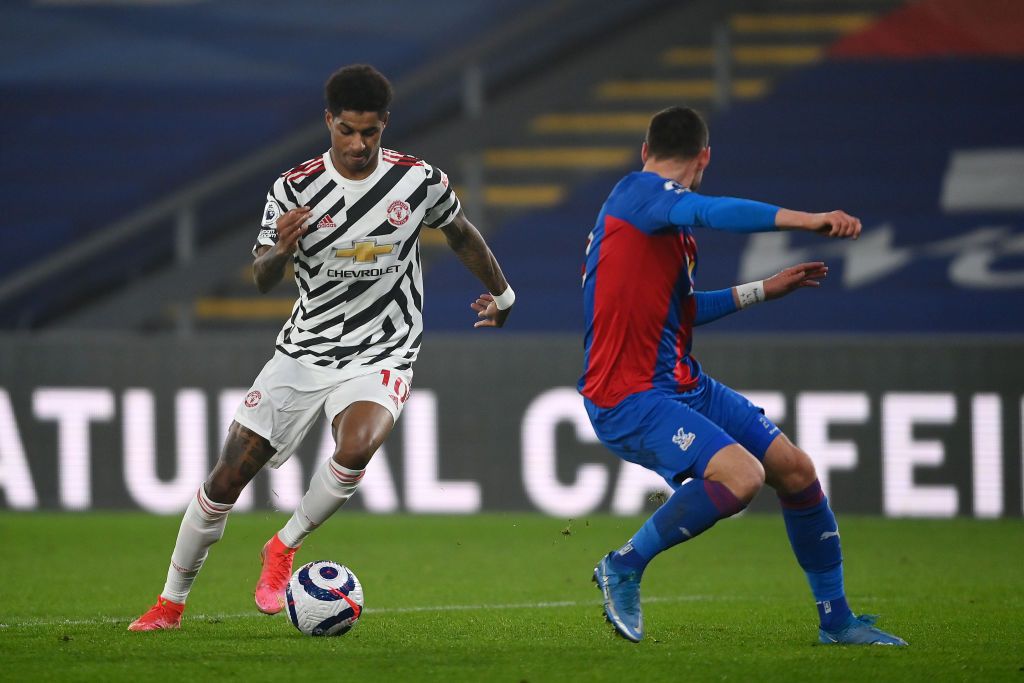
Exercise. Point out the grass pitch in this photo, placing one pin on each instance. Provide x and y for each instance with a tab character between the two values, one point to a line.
508	597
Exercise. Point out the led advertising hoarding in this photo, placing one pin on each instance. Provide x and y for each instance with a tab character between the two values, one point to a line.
928	428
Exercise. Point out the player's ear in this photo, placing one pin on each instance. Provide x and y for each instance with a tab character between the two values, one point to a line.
644	153
384	119
328	119
704	157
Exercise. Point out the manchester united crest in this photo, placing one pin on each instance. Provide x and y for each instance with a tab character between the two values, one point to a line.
398	213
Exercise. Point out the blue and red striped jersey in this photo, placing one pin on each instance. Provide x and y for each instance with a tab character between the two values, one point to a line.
637	294
638	284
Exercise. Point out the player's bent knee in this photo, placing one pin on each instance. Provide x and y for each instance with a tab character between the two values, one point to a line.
802	474
359	431
738	470
750	481
356	449
789	468
223	486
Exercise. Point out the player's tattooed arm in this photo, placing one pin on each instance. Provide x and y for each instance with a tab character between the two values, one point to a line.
467	243
268	268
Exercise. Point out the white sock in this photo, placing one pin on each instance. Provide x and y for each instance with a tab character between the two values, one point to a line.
331	485
201	527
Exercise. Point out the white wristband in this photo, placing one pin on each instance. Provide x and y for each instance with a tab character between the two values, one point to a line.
751	293
505	299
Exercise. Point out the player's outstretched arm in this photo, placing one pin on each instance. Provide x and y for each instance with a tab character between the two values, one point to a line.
717	304
469	245
730	214
837	224
268	268
745	215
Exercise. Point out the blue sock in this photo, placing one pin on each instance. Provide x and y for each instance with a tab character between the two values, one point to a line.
833	614
691	510
814	535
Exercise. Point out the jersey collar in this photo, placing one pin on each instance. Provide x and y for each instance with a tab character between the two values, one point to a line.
348	182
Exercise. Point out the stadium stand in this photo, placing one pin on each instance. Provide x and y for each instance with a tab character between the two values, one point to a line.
575	120
132	103
186	88
183	90
918	109
915	104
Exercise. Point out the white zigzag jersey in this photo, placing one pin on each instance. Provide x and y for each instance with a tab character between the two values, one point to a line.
358	267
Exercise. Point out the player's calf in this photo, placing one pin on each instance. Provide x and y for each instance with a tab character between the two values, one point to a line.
689	512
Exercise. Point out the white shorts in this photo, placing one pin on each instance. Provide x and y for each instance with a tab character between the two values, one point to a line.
286	398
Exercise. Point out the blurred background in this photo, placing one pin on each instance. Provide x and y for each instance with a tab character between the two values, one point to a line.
138	140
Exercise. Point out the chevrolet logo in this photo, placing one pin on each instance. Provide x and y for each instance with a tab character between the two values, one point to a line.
364	251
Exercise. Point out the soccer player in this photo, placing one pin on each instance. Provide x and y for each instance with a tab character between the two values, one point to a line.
349	222
651	403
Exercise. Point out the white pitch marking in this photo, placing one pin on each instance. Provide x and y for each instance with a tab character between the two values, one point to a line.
29	623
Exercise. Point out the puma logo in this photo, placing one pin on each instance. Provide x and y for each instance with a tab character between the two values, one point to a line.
829	534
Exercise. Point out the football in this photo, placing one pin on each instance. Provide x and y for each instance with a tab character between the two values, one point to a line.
324	599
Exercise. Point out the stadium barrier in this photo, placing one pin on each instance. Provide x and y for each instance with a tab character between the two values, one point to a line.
896	426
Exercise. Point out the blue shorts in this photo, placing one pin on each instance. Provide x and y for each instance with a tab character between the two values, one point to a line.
676	435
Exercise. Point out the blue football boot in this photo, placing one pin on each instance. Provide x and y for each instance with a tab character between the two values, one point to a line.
621	591
859	631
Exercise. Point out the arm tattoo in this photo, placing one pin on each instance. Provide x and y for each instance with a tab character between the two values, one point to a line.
268	269
465	240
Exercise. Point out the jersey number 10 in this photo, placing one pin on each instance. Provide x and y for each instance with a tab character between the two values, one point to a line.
400	388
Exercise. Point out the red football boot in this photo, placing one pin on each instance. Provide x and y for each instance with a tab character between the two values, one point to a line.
164	614
277	570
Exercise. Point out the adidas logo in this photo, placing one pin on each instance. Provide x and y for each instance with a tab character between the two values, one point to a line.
326	222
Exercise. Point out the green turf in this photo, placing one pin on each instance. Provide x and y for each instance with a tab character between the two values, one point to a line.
731	605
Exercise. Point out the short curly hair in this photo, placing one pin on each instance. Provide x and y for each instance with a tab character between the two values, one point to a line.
358	87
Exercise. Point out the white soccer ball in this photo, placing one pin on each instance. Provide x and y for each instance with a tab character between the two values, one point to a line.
324	599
